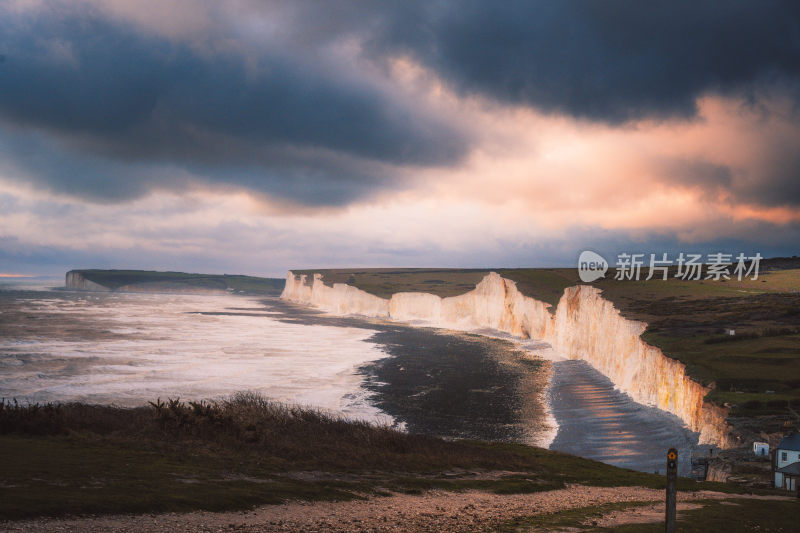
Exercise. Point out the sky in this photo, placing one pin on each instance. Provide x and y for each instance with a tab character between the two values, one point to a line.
255	136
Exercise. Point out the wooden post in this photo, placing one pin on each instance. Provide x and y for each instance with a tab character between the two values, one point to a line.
672	489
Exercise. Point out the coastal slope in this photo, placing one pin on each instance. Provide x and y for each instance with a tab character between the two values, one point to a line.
148	281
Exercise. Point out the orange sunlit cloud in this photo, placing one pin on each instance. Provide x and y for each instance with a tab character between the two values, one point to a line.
560	171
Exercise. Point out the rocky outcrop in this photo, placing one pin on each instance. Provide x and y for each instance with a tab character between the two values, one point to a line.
76	281
584	326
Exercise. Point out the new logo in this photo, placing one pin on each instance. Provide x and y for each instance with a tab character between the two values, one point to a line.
591	266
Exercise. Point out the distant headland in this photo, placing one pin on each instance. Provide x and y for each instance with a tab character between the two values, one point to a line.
171	282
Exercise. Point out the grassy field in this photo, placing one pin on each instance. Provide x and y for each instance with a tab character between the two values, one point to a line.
114	279
384	282
245	451
545	284
757	371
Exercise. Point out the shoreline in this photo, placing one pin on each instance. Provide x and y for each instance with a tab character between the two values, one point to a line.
537	350
448	383
618	412
598	421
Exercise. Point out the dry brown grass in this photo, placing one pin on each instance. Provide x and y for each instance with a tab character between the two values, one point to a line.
248	424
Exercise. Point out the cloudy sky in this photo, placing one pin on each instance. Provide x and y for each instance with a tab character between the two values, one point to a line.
252	136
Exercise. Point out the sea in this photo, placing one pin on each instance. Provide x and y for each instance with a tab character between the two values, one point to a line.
128	349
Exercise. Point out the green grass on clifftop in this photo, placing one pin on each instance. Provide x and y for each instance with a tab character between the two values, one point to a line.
544	284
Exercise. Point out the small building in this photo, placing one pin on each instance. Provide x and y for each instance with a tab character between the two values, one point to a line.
761	449
787	462
790	477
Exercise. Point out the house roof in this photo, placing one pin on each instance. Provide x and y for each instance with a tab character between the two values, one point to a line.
790	442
792	469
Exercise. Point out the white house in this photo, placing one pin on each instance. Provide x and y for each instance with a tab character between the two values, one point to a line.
787	463
761	448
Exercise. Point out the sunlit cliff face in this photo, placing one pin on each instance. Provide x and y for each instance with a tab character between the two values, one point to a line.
582	326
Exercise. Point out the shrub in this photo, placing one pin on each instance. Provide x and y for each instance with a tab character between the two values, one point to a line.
777	332
249	424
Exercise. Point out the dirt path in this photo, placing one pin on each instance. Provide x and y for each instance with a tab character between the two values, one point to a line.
433	511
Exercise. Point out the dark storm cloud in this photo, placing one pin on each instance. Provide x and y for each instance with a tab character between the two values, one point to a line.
612	60
708	177
310	178
773	180
102	108
778	182
119	102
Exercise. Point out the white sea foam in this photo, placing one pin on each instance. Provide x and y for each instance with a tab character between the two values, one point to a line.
164	346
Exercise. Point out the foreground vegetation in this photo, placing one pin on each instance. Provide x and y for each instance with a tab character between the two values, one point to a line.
245	451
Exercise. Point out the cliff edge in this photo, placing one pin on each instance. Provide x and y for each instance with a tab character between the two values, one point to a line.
76	281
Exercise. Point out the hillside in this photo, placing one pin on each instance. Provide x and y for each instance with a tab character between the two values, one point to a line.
153	281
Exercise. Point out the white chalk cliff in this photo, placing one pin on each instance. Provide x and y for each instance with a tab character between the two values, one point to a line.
75	280
585	326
